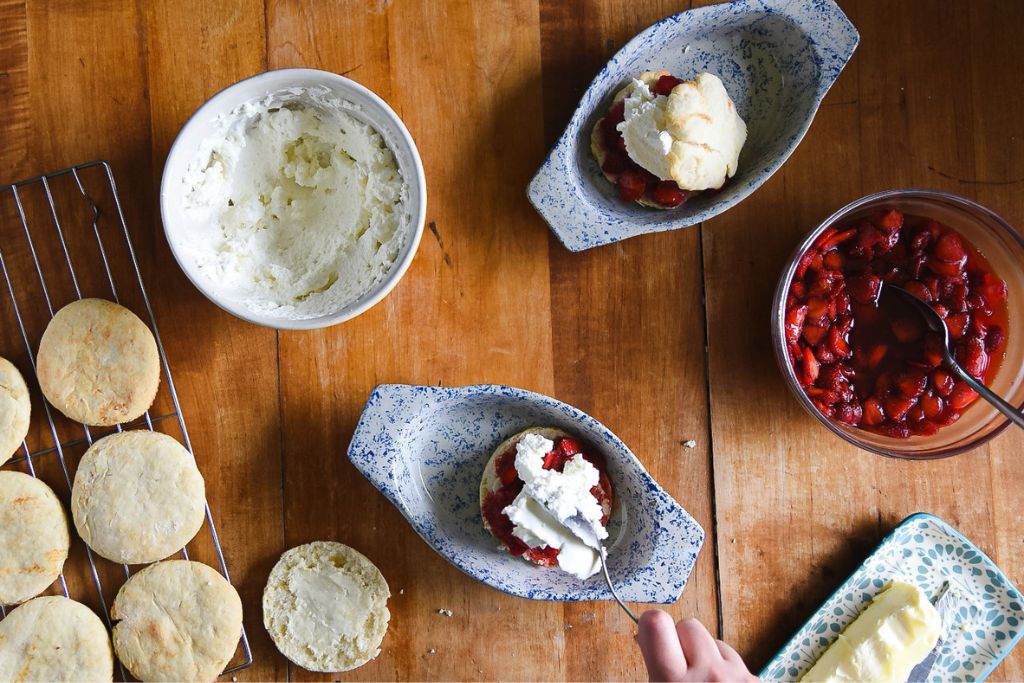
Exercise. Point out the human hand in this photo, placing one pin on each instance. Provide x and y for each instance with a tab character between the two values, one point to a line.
686	651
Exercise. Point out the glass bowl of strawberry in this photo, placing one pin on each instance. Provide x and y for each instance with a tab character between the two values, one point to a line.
865	364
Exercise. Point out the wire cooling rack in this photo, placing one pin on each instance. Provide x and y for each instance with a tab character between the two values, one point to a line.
63	237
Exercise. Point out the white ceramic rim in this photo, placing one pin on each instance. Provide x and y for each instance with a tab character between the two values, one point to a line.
418	187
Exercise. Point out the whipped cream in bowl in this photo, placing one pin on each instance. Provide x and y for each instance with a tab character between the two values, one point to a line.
294	199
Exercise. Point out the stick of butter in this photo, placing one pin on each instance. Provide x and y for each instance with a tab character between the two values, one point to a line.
885	642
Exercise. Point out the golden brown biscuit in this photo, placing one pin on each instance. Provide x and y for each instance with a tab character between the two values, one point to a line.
15	410
138	497
98	363
176	621
33	536
54	639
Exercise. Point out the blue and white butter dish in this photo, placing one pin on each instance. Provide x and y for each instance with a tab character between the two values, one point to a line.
776	58
425	449
926	551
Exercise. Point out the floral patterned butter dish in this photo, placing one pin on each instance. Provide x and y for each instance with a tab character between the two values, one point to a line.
776	59
926	551
425	449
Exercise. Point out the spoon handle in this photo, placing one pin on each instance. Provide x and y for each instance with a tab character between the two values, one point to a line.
608	579
1001	404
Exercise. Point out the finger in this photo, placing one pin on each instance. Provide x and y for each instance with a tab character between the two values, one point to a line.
699	647
660	646
728	653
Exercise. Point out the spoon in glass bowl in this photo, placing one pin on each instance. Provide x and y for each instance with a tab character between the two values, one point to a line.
935	324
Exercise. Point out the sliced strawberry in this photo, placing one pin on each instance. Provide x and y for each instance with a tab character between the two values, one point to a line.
795	323
810	367
837	343
896	431
814	334
864	289
833	260
957	325
849	413
890	220
873	412
831	238
973	358
667	193
993	289
932	405
950	247
962	396
615	163
947	268
943	382
897	407
912	384
631	185
569	446
920	290
665	84
994	339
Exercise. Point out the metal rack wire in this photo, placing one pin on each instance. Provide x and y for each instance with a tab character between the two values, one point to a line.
14	280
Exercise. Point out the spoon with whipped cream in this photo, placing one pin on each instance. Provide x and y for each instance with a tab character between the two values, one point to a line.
584	530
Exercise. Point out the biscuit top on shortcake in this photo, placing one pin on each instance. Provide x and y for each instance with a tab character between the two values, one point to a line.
693	135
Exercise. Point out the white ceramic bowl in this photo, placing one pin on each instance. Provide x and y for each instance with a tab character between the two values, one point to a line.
289	83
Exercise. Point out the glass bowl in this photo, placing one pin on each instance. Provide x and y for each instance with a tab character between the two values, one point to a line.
1002	246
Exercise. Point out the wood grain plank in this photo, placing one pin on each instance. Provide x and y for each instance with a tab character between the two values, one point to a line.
226	369
798	510
629	339
474	307
14	124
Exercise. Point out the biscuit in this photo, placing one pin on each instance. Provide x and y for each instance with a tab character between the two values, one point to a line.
98	363
176	621
491	482
325	606
54	639
15	410
33	536
138	497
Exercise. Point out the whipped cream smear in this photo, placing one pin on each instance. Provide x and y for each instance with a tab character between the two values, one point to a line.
565	494
295	206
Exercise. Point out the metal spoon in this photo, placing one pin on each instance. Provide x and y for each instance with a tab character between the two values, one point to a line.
935	324
583	530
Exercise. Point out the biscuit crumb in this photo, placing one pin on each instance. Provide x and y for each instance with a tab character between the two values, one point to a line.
445	612
431	651
568	627
401	591
234	679
689	443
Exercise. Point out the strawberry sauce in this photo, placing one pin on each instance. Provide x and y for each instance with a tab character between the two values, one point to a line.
505	467
869	361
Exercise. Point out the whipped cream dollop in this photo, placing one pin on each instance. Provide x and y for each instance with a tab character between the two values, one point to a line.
295	207
549	498
692	136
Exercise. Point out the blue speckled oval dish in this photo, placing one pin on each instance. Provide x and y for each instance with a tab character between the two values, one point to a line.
425	449
926	551
777	59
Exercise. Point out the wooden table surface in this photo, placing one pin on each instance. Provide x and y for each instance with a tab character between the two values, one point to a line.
664	338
